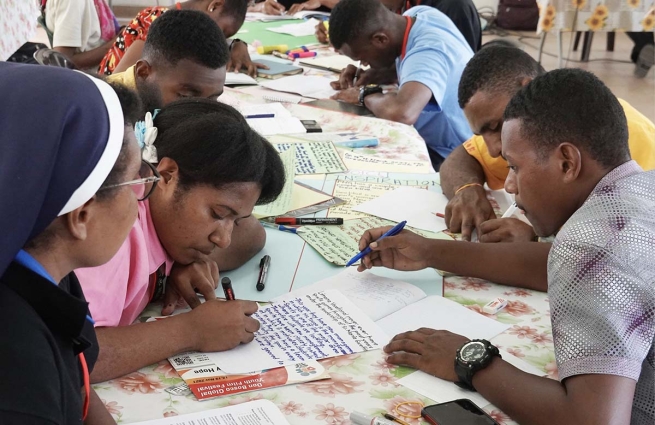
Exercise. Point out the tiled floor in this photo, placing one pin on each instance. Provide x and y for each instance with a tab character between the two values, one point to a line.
608	66
611	67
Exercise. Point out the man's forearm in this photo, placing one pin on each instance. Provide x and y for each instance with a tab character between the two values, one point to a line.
522	265
90	58
459	169
533	400
126	349
386	106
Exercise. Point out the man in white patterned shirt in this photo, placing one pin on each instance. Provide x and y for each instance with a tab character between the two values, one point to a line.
565	139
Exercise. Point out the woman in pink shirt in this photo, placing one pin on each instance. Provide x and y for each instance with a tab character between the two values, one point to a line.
214	169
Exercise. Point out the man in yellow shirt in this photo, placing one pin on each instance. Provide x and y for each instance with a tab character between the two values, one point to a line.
489	81
184	55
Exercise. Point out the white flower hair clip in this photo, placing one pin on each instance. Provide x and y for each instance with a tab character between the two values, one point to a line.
146	134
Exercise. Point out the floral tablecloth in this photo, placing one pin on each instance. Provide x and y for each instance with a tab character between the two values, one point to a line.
17	24
361	382
596	15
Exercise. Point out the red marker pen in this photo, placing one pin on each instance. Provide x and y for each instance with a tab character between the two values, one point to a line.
227	289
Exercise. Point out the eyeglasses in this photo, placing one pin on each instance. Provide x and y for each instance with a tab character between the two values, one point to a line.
144	186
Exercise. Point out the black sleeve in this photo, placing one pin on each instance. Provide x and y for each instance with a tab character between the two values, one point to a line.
30	384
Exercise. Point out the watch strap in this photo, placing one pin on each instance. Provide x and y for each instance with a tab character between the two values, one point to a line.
367	90
465	371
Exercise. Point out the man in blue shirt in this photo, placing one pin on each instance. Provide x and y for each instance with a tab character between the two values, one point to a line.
423	51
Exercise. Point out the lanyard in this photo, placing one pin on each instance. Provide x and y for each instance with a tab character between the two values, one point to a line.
87	385
406	37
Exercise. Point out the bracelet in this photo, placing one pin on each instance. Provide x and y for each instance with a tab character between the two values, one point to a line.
466	186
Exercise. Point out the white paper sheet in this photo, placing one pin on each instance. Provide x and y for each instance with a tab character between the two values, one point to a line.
311	327
441	313
375	295
305	85
237	78
441	391
257	412
417	206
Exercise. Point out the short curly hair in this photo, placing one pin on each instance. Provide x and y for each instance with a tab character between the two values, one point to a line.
351	19
186	34
572	105
496	68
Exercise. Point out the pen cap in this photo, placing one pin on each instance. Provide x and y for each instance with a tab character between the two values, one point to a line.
226	281
268	49
359	418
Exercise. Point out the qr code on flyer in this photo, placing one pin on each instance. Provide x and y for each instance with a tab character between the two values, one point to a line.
183	361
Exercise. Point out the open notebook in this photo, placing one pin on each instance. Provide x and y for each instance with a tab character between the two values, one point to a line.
398	306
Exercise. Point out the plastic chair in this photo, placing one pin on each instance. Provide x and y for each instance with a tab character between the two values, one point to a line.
51	57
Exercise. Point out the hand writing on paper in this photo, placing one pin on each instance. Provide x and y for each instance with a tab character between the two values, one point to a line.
271	7
467	210
308	5
321	33
185	281
222	325
348	75
406	251
239	59
350	95
428	350
506	230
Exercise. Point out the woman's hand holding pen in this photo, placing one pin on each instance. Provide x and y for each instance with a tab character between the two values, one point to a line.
221	325
405	251
187	281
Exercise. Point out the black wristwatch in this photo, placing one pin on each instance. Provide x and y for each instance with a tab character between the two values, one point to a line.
369	89
473	356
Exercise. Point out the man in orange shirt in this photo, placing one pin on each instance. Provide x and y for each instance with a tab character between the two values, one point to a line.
491	78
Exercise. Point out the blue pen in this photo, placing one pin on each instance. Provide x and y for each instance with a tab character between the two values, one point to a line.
392	232
279	227
364	143
260	116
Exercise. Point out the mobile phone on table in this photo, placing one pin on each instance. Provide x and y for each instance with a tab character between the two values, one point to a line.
456	412
311	126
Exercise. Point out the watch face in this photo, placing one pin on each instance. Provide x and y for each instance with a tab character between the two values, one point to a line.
473	351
